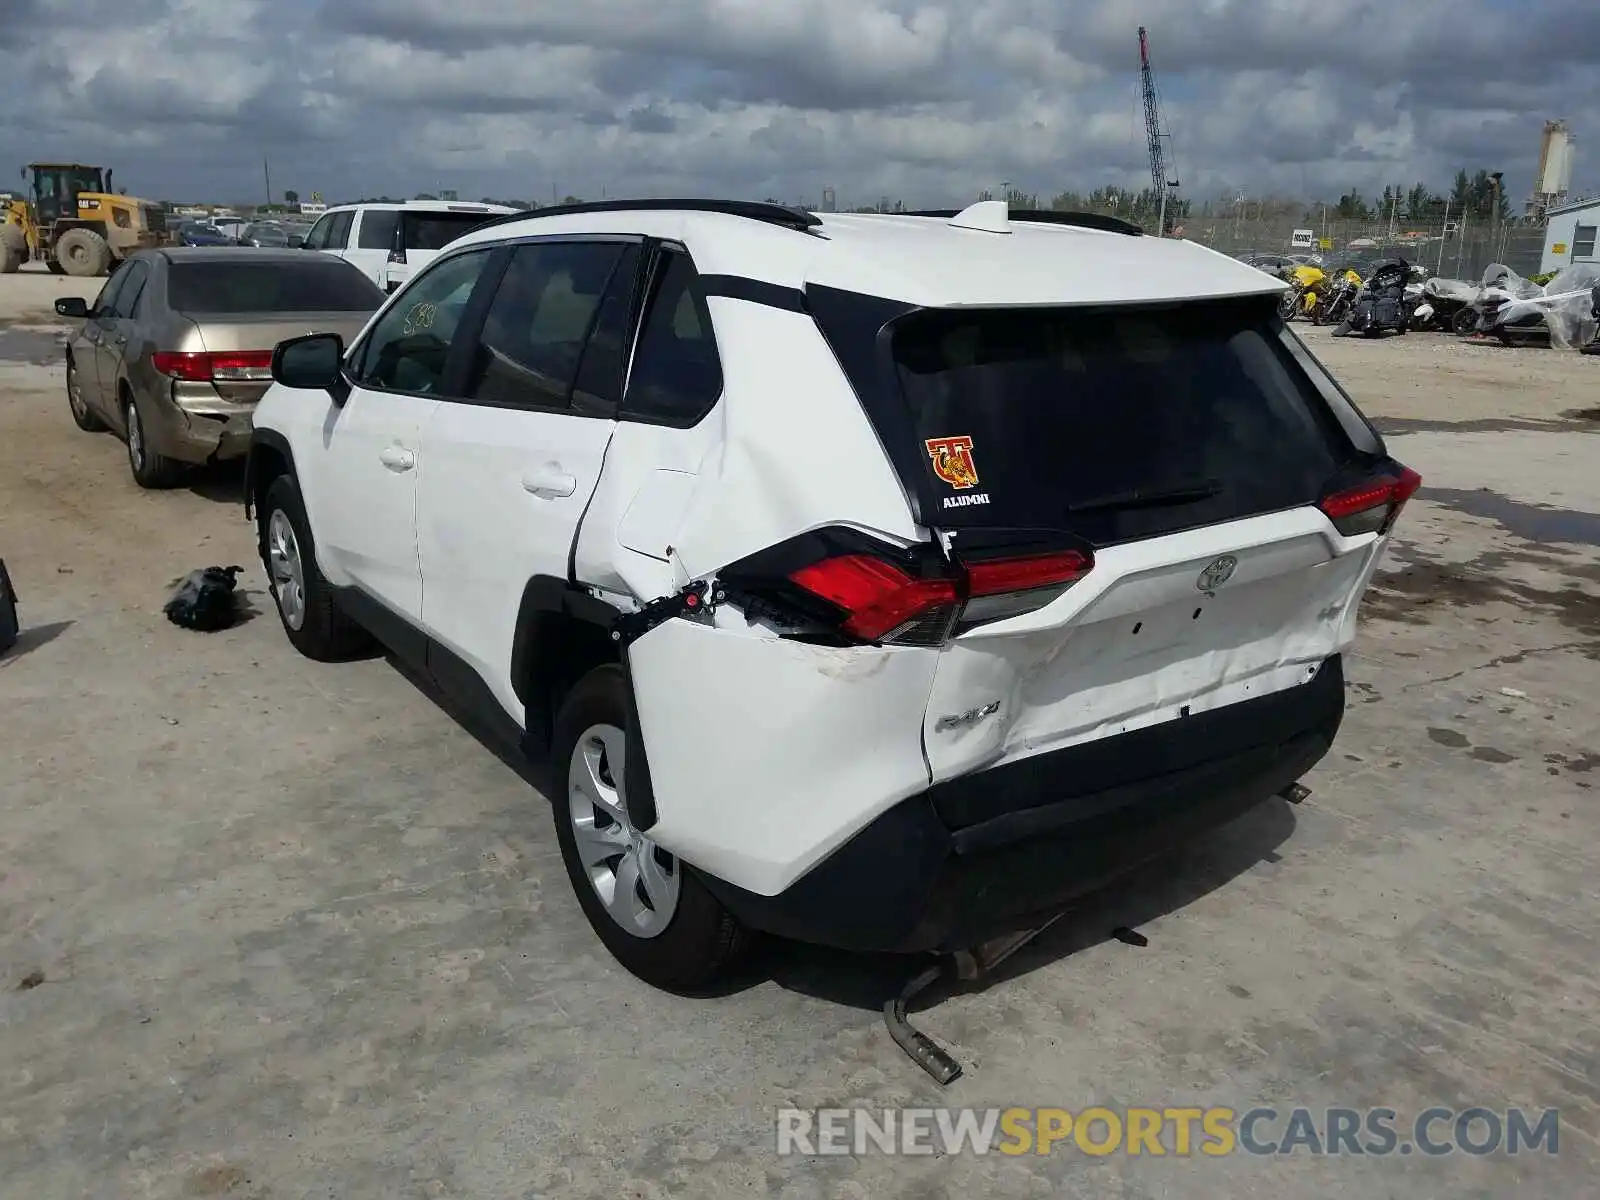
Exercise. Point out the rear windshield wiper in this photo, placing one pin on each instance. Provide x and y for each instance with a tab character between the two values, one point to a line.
1191	492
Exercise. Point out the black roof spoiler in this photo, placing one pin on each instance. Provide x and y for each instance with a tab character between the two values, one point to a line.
1050	216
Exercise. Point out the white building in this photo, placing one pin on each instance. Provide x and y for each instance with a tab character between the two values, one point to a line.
1569	235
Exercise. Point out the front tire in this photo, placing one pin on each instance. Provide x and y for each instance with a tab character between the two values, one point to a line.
311	617
657	919
82	415
84	253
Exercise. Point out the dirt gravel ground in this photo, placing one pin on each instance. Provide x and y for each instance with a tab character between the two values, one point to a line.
275	929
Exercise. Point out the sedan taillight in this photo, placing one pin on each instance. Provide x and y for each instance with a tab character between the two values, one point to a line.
222	366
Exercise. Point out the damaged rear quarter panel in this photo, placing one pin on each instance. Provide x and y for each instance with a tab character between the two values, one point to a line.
766	755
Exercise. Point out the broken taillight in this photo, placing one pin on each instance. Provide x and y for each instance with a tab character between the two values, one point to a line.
1373	506
907	598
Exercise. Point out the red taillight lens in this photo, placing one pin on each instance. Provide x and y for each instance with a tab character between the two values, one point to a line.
882	601
1372	507
1027	574
225	366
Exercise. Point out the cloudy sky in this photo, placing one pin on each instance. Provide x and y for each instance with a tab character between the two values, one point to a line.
926	101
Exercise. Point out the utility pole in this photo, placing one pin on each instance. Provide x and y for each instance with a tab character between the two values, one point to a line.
1494	218
266	175
1444	233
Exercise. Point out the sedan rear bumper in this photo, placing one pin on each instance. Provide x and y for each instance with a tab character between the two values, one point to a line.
218	433
998	850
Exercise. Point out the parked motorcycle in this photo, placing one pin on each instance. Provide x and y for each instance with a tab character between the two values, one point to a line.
1499	287
1380	305
1449	304
1333	305
1305	282
1560	314
1593	347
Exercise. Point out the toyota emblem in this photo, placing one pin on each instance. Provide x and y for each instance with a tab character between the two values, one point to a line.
1217	572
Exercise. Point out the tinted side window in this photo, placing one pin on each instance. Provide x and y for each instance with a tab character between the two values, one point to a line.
677	376
605	355
105	303
406	350
534	330
377	228
318	237
339	231
127	301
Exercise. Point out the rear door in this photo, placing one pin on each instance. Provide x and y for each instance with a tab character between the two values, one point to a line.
372	241
90	343
422	234
515	453
1181	452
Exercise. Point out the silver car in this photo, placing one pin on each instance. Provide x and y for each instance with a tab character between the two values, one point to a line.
177	348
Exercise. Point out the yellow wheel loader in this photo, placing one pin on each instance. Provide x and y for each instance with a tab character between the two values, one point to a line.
75	223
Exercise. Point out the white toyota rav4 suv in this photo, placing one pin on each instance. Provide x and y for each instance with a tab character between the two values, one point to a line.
881	581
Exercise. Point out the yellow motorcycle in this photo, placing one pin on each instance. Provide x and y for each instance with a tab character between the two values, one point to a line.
1305	285
1336	296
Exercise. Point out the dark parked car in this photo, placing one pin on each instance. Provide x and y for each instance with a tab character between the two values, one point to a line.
198	233
265	233
177	348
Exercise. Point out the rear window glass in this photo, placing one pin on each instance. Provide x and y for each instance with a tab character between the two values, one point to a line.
436	230
317	284
1117	424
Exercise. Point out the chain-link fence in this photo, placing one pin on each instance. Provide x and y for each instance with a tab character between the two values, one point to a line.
1461	249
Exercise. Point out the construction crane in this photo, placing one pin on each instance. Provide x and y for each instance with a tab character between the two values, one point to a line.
1152	130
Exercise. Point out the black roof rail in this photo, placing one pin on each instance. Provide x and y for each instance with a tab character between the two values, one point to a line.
1050	216
754	210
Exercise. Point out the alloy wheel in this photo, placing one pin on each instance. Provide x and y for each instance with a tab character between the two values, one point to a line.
635	880
287	569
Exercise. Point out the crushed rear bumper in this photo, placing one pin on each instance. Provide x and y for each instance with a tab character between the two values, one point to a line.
996	850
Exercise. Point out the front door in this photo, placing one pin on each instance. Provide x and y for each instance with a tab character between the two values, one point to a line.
367	479
108	325
513	463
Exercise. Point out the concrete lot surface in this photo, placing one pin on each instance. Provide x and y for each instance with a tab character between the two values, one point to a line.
275	929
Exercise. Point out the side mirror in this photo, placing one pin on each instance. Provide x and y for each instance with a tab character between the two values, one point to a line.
72	306
314	362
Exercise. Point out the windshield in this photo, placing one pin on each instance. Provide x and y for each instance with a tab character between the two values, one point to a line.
1079	417
317	284
436	230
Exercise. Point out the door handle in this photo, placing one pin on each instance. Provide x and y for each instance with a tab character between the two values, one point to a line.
549	481
397	458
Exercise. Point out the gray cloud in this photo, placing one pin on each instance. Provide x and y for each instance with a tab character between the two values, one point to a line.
911	98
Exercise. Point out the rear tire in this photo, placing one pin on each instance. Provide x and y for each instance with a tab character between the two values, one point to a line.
666	929
84	253
150	469
312	619
82	415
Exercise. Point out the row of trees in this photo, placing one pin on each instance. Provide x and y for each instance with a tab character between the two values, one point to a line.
1474	195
